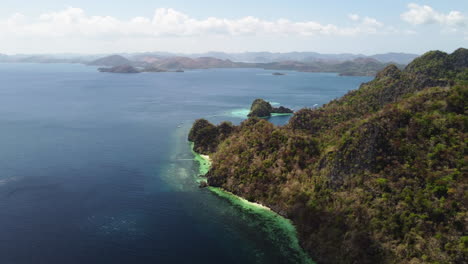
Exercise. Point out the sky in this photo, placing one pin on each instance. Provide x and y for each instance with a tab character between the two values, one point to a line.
366	27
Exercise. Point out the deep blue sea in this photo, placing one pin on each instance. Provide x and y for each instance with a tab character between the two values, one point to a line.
95	167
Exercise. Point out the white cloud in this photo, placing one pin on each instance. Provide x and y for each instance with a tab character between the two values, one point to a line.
368	25
169	22
371	22
423	14
354	17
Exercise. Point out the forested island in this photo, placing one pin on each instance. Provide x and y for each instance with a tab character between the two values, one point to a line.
262	108
377	176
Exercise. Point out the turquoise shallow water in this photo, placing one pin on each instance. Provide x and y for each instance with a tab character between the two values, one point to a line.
95	168
278	229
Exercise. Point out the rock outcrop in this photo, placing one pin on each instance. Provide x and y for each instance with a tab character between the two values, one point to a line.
262	108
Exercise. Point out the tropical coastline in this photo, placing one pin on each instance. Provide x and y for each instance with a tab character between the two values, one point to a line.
257	133
284	223
314	169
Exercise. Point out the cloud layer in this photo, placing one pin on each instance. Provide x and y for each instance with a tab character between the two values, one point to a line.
169	22
74	30
423	14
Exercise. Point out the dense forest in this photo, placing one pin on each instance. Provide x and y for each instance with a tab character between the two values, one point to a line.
377	176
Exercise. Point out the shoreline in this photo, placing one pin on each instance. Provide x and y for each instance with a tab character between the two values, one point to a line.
286	224
243	112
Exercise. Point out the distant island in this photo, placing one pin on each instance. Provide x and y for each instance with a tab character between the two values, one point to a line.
343	64
356	67
126	68
376	176
120	69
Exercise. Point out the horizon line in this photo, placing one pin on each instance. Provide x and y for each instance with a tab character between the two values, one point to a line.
225	52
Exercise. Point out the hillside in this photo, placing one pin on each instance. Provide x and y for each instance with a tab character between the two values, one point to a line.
377	176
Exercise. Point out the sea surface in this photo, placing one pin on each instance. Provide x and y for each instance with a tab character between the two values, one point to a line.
95	167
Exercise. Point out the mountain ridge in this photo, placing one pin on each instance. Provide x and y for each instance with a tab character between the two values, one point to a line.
377	176
251	57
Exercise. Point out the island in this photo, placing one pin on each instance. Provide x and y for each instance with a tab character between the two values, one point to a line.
376	176
120	69
153	69
262	108
131	69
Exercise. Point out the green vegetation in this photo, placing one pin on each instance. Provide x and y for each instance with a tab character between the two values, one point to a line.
377	176
262	108
207	136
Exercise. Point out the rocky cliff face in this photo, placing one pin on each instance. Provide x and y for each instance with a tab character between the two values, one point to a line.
377	176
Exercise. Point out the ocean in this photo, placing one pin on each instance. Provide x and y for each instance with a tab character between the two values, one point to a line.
95	167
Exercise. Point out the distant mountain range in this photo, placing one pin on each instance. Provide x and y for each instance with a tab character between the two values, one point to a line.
151	63
252	57
267	57
345	64
113	60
